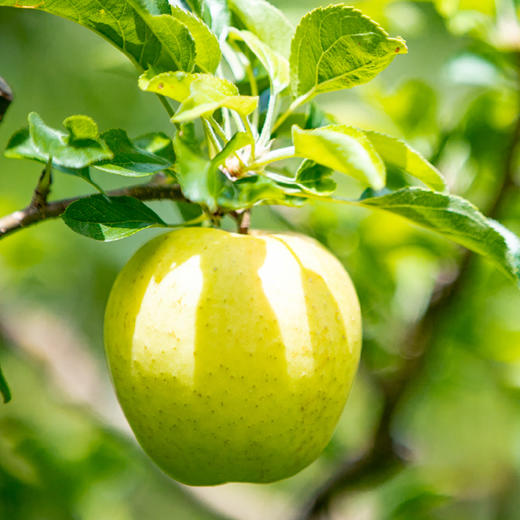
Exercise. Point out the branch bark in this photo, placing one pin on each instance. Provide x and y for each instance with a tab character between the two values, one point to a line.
35	213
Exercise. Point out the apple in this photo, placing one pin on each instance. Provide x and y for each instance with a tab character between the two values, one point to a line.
232	355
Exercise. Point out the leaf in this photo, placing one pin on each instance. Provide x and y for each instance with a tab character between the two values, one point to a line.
265	21
65	149
199	180
175	85
276	66
456	219
200	94
176	41
21	146
344	149
215	13
207	49
237	142
338	47
109	218
81	128
315	178
71	152
208	95
149	41
202	182
158	144
256	189
400	154
155	6
129	159
4	388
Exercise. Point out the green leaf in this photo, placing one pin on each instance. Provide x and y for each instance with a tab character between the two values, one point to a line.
237	142
4	388
265	21
311	179
456	219
158	144
258	189
199	180
200	94
208	96
175	85
315	178
65	149
71	152
344	149
131	160
207	48
202	182
149	41
81	128
176	41
276	66
155	6
110	218
21	146
214	13
400	154
338	47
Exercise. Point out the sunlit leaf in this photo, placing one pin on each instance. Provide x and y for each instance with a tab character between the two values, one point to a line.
237	142
275	64
207	49
65	149
199	94
71	152
338	47
400	154
456	219
214	13
149	40
265	21
81	128
21	146
344	149
110	218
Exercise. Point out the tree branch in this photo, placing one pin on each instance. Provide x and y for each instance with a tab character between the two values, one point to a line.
33	213
383	457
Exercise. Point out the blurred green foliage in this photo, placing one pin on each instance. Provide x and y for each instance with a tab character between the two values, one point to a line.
455	98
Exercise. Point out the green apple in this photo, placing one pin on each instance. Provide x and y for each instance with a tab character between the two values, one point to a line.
232	355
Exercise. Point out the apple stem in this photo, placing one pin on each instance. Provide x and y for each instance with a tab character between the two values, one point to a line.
243	219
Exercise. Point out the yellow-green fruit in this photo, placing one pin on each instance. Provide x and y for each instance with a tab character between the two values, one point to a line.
232	355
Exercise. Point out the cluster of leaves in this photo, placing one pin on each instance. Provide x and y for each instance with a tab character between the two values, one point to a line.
239	73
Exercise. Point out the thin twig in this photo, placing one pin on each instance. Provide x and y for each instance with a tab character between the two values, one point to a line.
33	214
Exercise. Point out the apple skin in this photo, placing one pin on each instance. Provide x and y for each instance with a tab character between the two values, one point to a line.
232	355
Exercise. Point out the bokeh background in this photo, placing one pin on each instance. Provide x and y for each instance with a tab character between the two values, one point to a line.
441	382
